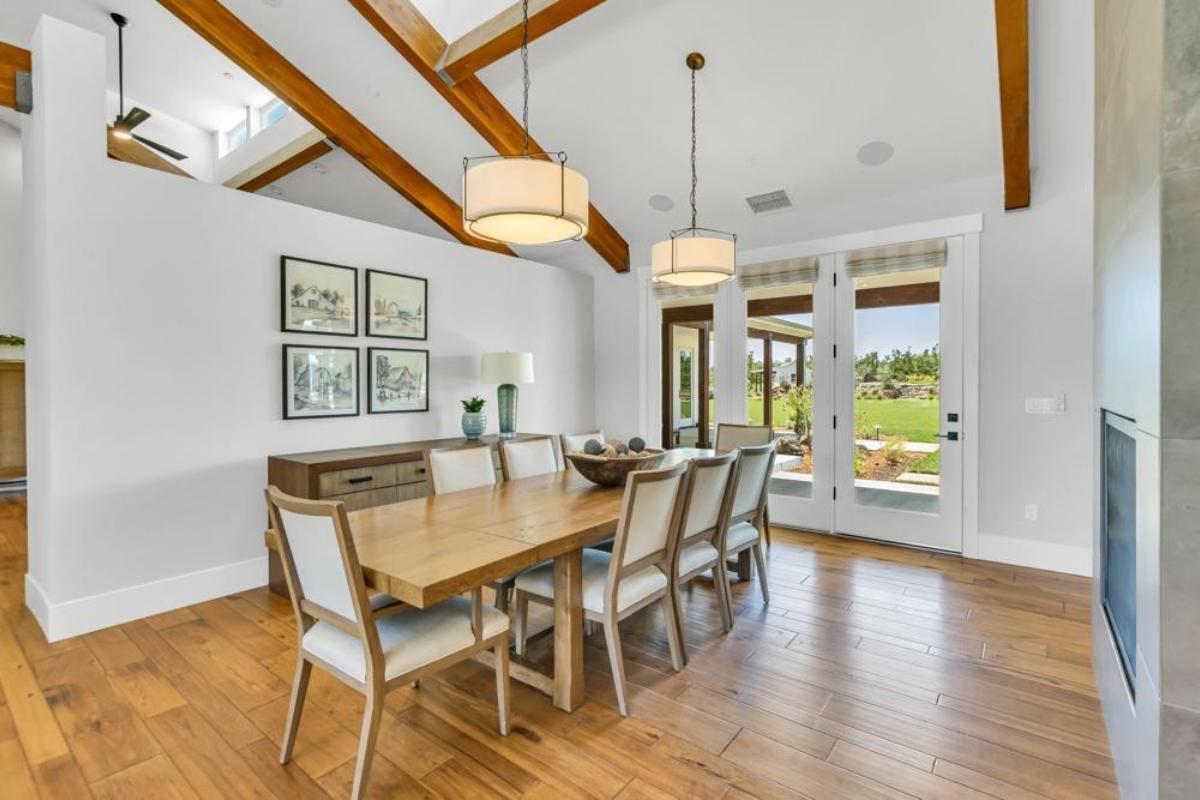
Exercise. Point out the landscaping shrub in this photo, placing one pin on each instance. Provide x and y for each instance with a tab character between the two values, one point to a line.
894	449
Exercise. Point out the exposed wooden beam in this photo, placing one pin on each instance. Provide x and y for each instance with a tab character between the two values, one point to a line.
131	152
286	167
501	35
13	59
421	45
249	51
1012	47
913	294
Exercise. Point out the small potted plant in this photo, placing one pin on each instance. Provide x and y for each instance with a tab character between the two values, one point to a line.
12	348
474	418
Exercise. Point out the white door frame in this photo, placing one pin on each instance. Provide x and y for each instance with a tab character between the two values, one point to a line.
729	326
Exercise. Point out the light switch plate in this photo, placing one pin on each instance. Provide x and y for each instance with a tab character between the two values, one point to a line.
1046	405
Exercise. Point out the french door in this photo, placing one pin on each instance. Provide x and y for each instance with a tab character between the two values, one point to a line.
882	458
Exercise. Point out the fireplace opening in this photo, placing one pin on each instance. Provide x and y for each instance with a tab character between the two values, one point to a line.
1118	537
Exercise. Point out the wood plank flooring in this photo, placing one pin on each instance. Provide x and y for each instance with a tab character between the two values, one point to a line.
875	672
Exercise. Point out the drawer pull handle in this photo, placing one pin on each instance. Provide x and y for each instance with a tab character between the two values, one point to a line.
364	479
421	471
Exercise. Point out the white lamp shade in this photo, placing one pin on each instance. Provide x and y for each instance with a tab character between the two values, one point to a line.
507	368
525	201
693	260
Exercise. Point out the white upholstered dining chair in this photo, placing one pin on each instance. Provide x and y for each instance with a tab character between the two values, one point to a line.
574	442
454	469
706	511
747	511
526	458
732	437
635	575
362	643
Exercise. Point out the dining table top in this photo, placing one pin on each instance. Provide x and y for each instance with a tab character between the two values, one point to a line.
427	550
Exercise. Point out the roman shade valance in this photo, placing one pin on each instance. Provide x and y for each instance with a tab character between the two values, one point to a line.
896	258
783	272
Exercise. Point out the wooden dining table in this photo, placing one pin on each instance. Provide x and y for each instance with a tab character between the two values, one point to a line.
430	549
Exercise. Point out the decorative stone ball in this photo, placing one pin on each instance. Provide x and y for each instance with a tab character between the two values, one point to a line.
592	447
622	448
636	444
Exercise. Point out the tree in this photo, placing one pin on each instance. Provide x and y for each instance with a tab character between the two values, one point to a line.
798	403
297	289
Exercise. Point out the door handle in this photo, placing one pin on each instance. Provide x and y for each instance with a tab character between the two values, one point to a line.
952	436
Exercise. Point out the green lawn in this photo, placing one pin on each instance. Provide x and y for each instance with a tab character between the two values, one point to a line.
915	420
930	465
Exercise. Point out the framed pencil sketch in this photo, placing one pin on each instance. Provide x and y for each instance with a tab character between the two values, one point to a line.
319	381
397	305
317	297
397	380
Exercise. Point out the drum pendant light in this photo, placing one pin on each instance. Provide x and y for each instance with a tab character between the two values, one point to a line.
527	199
694	256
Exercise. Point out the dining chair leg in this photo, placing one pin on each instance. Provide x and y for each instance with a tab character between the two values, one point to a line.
366	741
766	527
670	608
724	570
589	627
613	638
502	697
721	582
416	684
761	566
522	620
295	707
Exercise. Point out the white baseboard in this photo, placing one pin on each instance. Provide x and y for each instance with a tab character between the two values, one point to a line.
87	614
1038	555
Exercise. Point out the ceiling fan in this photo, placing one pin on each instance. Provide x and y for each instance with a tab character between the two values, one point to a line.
124	124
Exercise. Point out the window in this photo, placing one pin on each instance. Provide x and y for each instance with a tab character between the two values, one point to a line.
236	137
272	112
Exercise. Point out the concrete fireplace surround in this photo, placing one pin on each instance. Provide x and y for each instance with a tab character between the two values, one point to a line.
1147	367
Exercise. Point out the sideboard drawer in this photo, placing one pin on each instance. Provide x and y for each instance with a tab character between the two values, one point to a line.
362	479
410	471
375	497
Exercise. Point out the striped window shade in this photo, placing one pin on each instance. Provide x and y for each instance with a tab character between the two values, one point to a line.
784	272
666	291
896	258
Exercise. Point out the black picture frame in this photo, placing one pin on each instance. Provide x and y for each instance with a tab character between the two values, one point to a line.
369	382
288	382
368	317
286	306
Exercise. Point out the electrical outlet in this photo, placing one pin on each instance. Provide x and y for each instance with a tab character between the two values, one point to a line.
1031	512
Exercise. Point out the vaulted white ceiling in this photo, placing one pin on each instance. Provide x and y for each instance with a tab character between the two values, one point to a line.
792	89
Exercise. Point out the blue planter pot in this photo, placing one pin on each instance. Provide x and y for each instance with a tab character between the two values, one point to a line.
474	424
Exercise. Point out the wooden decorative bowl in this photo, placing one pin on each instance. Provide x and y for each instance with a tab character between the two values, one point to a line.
613	471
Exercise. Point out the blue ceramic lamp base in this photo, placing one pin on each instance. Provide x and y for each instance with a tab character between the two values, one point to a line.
506	400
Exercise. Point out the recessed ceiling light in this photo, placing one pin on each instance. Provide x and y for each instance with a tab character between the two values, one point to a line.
660	202
319	167
275	190
228	75
273	3
875	153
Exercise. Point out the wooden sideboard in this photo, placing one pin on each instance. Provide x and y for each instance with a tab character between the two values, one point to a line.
12	420
361	477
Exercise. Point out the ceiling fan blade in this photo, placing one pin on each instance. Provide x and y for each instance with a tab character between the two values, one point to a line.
134	117
175	154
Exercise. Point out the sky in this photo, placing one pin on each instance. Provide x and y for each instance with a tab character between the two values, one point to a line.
878	329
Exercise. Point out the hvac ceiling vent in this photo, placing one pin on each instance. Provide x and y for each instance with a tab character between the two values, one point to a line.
771	201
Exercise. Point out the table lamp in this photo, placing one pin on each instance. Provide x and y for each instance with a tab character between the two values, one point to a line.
507	369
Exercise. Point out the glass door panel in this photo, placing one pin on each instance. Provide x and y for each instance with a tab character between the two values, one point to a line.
785	327
900	391
687	371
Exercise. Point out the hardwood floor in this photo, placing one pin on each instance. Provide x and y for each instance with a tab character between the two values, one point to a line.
876	672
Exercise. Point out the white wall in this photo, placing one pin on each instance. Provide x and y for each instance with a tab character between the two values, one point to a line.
155	365
12	313
1035	315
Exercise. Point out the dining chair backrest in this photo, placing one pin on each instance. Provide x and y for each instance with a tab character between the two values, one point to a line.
574	442
651	513
453	469
320	564
753	473
709	489
527	457
731	437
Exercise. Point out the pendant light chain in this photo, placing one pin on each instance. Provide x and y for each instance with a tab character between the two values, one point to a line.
525	69
693	148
